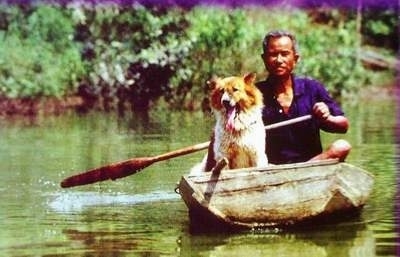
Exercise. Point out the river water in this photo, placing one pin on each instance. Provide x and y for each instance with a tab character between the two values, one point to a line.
141	215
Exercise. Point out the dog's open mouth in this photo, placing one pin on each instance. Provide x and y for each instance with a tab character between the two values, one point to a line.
230	112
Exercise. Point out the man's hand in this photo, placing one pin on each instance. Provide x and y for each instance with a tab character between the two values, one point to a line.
330	123
321	111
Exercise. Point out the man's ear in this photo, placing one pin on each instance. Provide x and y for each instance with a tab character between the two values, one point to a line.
296	58
249	78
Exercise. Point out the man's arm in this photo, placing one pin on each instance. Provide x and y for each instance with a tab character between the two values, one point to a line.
329	122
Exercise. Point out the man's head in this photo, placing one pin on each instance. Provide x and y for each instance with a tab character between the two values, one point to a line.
280	53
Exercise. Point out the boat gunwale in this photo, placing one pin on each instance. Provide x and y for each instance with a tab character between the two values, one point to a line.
272	168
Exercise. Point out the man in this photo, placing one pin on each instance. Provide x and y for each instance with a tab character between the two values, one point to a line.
287	96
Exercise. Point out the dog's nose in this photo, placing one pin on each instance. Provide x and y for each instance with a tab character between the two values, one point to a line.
226	104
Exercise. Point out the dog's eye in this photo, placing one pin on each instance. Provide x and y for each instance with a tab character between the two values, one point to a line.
235	89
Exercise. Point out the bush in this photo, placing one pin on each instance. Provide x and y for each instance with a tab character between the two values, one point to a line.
381	28
134	51
138	55
37	55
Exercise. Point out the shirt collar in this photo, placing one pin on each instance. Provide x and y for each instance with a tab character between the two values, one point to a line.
298	86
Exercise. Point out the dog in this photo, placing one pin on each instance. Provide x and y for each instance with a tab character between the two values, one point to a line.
239	132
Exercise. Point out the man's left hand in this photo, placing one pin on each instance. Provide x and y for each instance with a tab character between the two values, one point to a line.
321	111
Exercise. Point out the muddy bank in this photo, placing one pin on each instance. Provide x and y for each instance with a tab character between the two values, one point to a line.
38	106
56	106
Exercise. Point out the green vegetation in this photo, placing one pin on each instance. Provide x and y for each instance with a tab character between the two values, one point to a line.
37	54
118	57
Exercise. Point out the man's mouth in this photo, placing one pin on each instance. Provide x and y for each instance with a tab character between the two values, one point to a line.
279	68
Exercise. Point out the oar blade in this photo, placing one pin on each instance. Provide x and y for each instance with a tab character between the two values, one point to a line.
112	171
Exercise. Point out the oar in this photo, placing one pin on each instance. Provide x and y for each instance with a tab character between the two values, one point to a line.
125	168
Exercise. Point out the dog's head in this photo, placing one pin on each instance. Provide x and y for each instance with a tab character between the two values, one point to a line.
233	95
234	92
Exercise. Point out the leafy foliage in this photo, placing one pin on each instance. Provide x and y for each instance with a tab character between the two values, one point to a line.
37	55
217	42
381	28
134	52
337	67
124	56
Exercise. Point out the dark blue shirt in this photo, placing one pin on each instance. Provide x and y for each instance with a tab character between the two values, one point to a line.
301	141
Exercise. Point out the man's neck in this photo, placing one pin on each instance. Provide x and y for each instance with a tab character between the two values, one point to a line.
283	92
282	85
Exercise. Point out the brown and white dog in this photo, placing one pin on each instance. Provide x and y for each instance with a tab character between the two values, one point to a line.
239	133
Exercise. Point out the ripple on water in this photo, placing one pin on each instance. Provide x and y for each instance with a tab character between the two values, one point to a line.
77	201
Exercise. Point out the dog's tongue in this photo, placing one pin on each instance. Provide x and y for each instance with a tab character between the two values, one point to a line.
230	113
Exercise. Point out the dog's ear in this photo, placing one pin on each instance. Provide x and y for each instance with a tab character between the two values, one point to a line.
212	82
249	78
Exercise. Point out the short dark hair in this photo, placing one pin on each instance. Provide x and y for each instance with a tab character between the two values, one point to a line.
277	34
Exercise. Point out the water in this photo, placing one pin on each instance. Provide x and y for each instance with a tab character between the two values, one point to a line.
141	215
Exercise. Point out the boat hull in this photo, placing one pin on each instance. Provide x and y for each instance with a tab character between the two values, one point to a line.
279	195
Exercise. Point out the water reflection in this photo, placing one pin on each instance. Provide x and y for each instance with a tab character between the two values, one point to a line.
74	202
352	239
106	243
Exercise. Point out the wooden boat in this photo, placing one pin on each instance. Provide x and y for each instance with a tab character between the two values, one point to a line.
275	196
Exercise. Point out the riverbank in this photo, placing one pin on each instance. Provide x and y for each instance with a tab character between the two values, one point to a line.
38	106
56	106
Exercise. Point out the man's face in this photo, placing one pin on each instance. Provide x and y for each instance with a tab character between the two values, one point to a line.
279	58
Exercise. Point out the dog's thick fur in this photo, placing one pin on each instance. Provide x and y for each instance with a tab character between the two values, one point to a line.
239	133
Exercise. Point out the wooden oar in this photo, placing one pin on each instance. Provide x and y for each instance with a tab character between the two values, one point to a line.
125	168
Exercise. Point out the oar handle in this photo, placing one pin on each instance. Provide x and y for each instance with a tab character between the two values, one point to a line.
288	122
202	146
179	152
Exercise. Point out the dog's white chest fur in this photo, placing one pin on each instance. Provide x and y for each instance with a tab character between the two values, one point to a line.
244	146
